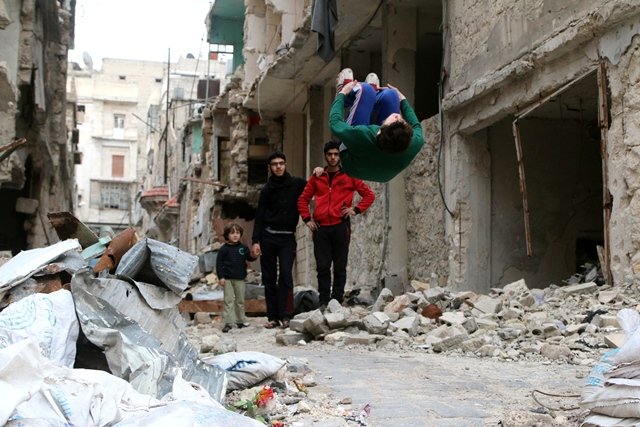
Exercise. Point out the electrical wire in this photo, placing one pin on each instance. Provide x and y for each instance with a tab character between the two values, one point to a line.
561	408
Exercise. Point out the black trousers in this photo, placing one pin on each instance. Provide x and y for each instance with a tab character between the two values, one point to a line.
278	250
331	246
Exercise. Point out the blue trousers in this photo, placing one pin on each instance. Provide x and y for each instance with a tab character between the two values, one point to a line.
368	106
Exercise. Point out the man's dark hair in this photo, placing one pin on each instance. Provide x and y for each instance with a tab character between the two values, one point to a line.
331	145
276	155
394	137
231	227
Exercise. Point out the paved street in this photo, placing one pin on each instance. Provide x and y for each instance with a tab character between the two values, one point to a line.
419	389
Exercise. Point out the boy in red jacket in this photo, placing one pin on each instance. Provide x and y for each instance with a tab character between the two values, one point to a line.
333	191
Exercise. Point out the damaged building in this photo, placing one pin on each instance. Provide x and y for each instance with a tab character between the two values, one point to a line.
529	119
37	145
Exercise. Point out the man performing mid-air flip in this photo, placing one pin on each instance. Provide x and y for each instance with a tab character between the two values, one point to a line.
381	134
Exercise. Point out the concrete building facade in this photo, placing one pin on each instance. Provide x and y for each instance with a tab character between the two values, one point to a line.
176	153
529	113
37	150
111	106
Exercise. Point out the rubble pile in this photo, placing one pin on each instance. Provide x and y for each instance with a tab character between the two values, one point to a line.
91	334
572	323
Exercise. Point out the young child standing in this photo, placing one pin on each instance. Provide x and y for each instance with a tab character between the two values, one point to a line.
231	268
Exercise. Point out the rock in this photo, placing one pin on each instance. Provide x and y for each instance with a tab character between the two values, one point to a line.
289	338
409	324
383	299
335	320
398	304
316	324
581	288
555	352
419	286
208	343
376	323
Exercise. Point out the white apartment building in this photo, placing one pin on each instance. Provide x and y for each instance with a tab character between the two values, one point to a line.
111	109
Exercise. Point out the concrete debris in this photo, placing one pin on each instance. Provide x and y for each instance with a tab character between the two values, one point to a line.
572	323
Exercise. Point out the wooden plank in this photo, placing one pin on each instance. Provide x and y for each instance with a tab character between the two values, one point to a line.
255	307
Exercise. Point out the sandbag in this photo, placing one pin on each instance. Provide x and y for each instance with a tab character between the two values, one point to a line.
246	368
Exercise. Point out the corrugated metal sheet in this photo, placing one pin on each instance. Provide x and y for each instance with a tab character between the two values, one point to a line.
151	261
143	346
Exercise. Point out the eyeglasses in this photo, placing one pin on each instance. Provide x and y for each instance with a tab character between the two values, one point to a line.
277	163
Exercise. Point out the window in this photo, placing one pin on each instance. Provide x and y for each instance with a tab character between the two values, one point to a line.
117	166
110	195
80	114
118	121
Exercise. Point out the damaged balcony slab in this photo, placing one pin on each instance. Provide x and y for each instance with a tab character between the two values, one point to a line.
283	85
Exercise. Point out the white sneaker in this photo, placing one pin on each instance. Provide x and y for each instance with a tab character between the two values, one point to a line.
373	80
344	76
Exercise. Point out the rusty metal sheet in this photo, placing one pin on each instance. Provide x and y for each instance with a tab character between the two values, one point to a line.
68	226
119	245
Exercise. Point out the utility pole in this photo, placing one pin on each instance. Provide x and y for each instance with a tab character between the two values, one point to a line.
166	134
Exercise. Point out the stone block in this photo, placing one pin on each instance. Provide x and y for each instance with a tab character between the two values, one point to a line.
555	352
201	318
208	343
316	324
335	320
383	299
453	317
334	306
336	337
615	340
409	324
290	338
581	288
419	286
608	321
376	323
449	343
606	297
398	304
362	339
486	305
470	325
297	324
486	324
434	295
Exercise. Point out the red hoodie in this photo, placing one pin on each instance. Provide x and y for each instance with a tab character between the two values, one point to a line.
330	200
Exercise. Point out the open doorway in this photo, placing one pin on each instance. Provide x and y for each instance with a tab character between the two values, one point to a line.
560	144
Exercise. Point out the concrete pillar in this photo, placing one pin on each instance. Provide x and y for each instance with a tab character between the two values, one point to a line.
398	68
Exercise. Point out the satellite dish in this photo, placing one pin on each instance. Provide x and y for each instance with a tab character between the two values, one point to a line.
190	56
86	58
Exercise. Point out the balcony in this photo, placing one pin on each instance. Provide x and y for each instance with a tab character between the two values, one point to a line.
154	198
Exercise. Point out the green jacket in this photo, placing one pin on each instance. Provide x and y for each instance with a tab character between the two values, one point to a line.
363	159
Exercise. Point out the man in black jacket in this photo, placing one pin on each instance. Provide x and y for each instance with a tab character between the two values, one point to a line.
274	238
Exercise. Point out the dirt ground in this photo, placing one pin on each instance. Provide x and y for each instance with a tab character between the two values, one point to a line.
407	387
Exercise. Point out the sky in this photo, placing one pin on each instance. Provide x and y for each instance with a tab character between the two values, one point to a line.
139	29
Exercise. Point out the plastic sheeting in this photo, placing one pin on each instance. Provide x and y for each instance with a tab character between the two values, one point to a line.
48	318
37	392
